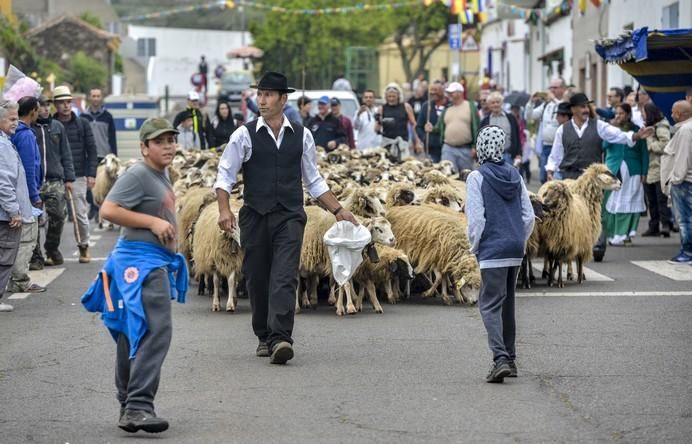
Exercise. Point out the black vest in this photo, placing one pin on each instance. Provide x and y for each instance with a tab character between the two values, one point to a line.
580	153
274	176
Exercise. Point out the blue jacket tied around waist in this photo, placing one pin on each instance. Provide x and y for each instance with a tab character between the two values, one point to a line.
117	290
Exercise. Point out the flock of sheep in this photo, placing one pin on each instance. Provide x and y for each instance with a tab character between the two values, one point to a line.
413	210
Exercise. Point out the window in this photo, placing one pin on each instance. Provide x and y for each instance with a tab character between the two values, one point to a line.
670	17
146	47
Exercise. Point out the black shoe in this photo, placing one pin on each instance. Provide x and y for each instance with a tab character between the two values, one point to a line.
665	233
674	228
134	420
36	264
282	353
651	233
262	350
54	258
513	369
498	372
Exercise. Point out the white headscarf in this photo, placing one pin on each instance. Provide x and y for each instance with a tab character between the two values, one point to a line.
490	144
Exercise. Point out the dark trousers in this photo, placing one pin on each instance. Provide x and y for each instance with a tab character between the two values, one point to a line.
55	205
137	380
496	302
658	207
9	246
272	245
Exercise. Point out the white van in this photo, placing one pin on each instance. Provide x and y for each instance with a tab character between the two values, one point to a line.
348	99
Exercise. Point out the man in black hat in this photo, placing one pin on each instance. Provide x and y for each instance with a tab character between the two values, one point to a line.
577	143
278	158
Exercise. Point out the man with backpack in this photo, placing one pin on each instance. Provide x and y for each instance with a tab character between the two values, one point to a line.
84	159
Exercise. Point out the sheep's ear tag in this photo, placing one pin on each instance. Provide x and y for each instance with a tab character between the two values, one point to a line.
371	252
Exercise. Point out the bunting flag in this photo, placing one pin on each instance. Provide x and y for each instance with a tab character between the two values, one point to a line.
596	3
582	6
458	6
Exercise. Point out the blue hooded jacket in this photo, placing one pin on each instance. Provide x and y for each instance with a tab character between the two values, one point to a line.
24	139
499	213
117	290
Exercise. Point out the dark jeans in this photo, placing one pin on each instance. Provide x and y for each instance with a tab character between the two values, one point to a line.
137	380
55	205
272	244
658	207
496	302
9	246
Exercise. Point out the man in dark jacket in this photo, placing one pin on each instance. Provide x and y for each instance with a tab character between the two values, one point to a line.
438	102
58	175
325	127
84	160
200	121
509	125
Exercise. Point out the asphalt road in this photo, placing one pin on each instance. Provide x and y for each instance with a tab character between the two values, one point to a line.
609	361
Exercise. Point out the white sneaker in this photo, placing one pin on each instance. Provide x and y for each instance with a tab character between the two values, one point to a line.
6	307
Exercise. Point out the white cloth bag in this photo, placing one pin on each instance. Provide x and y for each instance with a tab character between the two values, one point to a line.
345	242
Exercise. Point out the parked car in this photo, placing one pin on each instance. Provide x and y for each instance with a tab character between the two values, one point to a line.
348	99
233	83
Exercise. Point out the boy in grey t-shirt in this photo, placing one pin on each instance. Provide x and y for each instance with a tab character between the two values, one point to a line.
143	203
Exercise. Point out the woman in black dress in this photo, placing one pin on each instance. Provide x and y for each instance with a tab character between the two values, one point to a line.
222	126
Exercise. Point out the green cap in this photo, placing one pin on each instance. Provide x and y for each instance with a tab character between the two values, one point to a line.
154	127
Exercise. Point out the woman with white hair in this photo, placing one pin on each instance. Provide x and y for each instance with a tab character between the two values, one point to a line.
393	123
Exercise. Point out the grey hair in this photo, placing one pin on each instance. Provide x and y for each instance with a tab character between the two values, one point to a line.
495	95
5	106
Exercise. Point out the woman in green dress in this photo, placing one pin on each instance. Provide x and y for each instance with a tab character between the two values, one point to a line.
624	206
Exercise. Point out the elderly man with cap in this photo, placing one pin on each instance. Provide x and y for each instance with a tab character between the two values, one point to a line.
200	121
326	127
84	160
500	221
278	158
577	143
458	125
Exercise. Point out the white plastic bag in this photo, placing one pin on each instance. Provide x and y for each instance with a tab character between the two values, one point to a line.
18	85
345	243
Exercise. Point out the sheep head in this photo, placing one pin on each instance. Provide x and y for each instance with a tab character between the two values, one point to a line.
402	268
112	165
446	196
538	206
446	167
366	202
555	195
380	231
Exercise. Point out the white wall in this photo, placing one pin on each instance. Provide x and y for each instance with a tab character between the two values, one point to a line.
640	13
509	67
178	53
543	40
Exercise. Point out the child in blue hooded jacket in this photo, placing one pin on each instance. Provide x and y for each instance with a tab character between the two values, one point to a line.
500	221
141	275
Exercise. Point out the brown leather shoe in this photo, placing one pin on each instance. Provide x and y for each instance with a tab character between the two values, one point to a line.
84	257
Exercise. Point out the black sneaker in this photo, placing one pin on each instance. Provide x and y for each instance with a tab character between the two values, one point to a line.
282	353
651	233
53	258
513	369
262	350
133	420
498	372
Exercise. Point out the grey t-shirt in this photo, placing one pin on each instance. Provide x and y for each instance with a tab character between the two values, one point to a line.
145	190
502	121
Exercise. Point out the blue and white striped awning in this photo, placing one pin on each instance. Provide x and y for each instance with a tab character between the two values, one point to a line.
660	60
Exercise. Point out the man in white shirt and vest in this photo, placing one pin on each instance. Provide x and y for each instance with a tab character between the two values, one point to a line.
577	143
278	159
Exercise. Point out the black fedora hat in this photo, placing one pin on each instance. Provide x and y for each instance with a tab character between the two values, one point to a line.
273	81
563	108
579	99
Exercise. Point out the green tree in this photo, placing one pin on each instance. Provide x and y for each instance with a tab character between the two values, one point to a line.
85	72
418	32
314	44
91	19
18	51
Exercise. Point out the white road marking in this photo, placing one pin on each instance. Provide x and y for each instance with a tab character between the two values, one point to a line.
602	293
591	275
40	277
95	237
681	272
76	259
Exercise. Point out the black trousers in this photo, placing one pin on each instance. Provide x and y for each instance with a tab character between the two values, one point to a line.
272	244
658	206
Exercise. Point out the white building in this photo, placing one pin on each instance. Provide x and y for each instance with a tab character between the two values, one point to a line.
171	55
550	49
503	53
633	14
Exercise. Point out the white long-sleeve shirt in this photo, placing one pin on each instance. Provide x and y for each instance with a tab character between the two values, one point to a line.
364	123
606	131
239	150
546	114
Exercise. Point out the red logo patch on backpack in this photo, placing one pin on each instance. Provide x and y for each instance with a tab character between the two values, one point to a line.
131	274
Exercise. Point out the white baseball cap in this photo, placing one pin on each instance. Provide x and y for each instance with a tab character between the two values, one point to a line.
192	96
454	87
